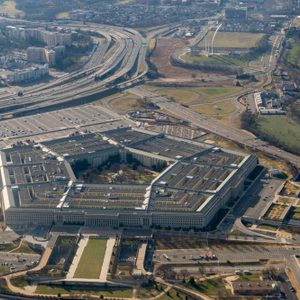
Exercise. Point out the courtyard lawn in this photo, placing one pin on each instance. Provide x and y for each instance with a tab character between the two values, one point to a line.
91	261
276	212
295	215
285	200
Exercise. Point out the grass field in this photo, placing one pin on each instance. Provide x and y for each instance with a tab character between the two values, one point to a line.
9	247
241	40
4	270
216	92
294	53
194	95
280	128
19	281
181	95
172	295
219	109
90	263
51	290
150	290
240	61
26	248
211	287
128	102
9	7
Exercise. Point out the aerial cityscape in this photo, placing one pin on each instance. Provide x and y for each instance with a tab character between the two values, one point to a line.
150	149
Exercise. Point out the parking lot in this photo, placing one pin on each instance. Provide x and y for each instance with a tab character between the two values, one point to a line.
223	253
14	262
257	200
58	123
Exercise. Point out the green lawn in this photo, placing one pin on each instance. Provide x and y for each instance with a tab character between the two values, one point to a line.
26	248
217	109
294	53
234	39
19	281
172	295
211	287
90	263
194	95
281	129
4	270
213	92
217	60
9	247
51	290
3	285
181	95
150	290
125	104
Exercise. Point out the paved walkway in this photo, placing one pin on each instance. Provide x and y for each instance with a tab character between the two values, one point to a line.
82	244
108	253
195	294
42	264
141	258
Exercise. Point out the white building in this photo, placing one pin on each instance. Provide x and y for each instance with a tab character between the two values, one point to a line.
31	73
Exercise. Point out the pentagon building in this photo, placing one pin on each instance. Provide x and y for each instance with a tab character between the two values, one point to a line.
39	185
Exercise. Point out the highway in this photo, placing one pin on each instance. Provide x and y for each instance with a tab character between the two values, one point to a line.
117	62
121	58
241	136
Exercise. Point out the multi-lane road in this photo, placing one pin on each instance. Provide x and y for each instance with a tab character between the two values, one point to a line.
119	59
210	125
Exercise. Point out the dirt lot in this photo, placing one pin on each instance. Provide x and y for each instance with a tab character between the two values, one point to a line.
161	58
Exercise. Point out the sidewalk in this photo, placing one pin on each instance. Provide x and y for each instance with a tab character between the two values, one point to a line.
82	244
106	261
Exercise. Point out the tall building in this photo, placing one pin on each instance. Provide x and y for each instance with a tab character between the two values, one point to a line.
36	55
28	74
49	38
51	58
17	33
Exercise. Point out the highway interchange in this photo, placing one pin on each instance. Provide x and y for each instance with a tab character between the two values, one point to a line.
118	62
120	59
